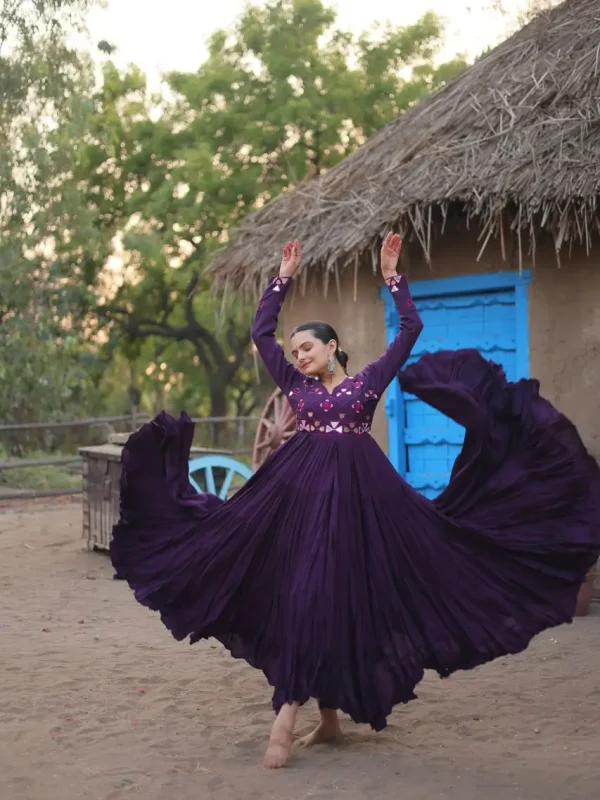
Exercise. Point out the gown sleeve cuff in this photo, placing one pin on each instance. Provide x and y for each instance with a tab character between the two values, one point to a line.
393	282
278	284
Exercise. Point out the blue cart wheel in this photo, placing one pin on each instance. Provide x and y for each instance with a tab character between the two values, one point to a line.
218	475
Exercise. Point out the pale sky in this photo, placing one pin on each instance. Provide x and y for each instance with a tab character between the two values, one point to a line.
162	36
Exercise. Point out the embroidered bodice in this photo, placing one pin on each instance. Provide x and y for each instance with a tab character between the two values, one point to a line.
350	407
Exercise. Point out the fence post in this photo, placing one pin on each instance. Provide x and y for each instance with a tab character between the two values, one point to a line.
133	419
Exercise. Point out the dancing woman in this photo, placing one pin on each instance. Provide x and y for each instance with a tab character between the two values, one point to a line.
331	574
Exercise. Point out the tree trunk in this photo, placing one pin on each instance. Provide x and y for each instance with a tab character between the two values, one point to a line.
218	408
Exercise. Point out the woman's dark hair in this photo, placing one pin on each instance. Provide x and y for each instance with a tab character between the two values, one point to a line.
324	333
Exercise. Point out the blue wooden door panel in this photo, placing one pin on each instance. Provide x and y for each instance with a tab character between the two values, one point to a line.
470	313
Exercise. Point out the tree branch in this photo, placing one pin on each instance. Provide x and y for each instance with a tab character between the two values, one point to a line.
142	327
201	332
203	357
238	349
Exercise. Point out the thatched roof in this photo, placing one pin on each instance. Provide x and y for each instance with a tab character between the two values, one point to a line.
514	140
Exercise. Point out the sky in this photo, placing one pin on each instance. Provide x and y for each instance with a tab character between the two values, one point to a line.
157	41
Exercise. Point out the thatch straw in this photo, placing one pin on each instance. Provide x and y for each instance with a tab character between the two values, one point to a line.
514	141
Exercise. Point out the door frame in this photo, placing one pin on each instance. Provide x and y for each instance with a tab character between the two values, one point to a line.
461	284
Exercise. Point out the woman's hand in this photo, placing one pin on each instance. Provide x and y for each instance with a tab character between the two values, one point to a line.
390	253
290	262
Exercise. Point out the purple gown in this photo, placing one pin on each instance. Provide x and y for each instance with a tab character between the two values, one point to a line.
333	576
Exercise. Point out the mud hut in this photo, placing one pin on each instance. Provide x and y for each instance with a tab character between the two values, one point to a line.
494	182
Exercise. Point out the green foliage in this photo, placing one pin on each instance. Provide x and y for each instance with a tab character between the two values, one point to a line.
41	376
38	68
43	368
286	95
282	97
57	476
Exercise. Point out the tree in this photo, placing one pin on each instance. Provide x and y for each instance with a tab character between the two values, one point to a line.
286	96
282	97
38	67
42	369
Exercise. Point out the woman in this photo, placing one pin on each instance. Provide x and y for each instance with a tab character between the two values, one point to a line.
326	570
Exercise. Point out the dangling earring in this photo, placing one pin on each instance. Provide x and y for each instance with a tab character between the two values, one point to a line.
331	364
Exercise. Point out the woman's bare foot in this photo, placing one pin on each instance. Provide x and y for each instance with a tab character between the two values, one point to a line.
281	738
327	730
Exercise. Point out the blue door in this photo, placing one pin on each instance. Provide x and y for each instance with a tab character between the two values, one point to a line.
485	312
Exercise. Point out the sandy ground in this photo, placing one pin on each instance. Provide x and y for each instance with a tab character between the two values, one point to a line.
98	702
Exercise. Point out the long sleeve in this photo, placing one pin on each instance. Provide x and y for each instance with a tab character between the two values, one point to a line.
379	374
285	375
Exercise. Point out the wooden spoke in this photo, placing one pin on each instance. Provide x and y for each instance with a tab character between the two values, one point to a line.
277	425
206	471
210	480
224	491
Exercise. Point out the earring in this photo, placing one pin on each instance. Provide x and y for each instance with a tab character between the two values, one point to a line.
331	364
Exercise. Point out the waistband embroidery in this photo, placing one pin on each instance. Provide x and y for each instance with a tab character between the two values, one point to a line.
333	426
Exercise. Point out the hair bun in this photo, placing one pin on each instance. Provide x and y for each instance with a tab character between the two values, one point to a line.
342	357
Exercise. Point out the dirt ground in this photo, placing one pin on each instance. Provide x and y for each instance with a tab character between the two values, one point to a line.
97	701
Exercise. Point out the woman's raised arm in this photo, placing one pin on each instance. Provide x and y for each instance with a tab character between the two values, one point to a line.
380	373
285	375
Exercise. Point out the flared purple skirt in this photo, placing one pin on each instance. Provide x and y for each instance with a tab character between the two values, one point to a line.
330	574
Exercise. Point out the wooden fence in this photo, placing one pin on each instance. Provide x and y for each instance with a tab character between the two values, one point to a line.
134	419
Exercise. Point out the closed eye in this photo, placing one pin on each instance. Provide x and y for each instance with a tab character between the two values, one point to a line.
305	348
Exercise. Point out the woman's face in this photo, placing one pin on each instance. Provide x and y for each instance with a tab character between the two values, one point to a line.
310	354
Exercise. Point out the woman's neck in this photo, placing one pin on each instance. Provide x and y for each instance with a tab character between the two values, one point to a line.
332	380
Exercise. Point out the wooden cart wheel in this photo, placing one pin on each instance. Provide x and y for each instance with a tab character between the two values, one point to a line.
218	475
277	424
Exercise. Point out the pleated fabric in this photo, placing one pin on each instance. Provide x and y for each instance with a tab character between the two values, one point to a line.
340	582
